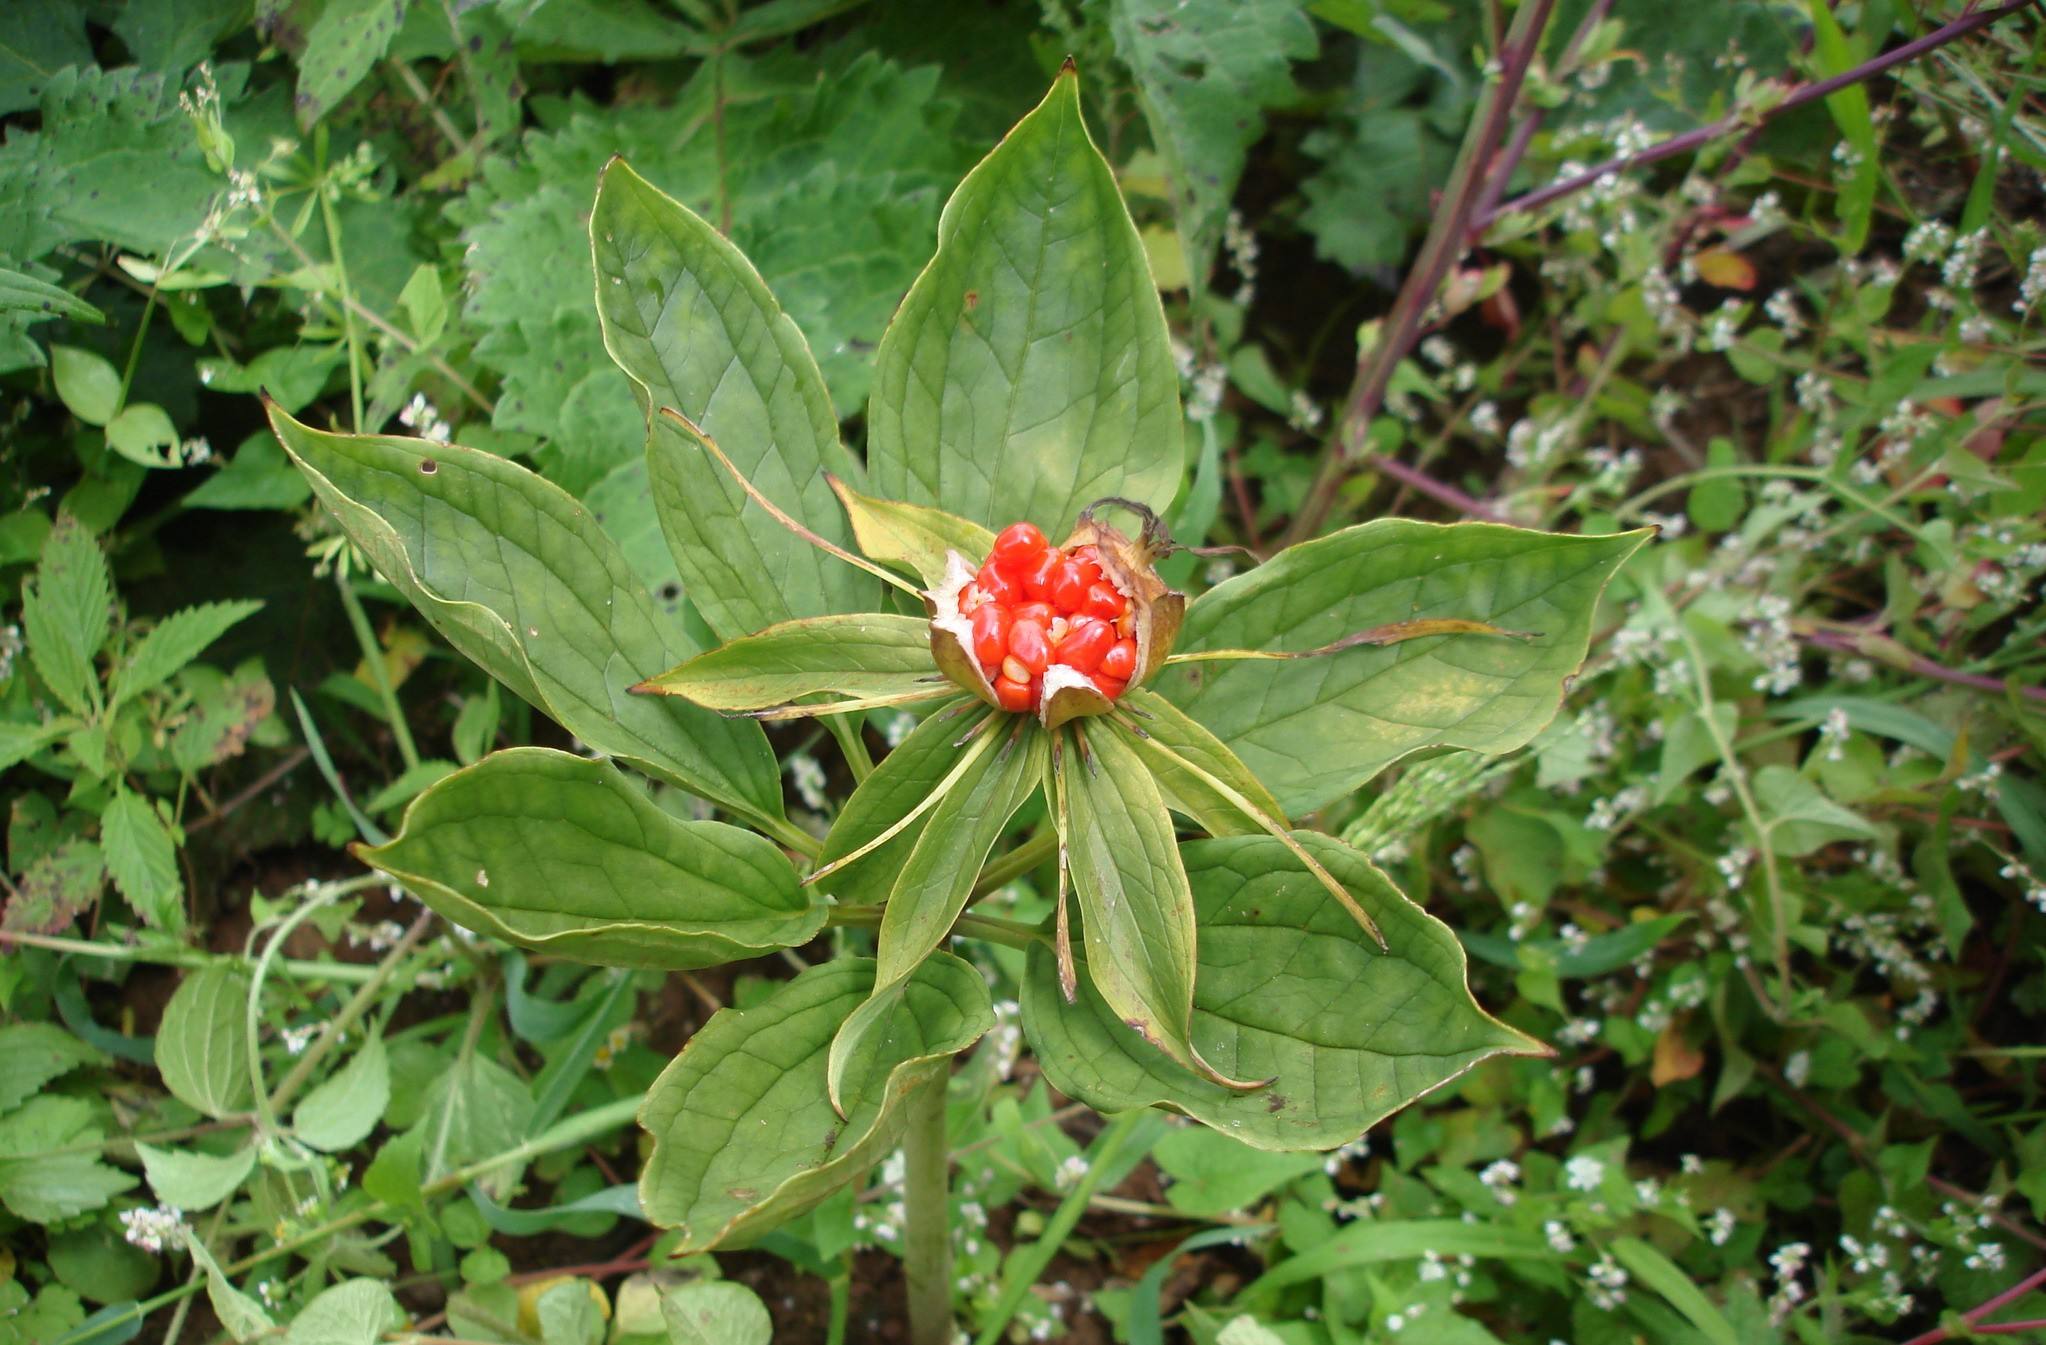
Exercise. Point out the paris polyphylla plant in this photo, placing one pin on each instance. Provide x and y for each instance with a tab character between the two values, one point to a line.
1267	981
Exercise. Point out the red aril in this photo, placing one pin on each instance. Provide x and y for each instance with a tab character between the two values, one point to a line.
1014	696
1035	578
991	622
997	586
1120	662
1104	601
1018	546
1028	646
1084	644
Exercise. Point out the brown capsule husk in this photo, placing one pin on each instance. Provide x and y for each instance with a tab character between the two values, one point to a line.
1068	694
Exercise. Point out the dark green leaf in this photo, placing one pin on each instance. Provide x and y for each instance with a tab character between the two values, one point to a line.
744	1135
1314	729
870	654
1288	988
1029	372
67	612
695	328
564	855
348	38
143	860
177	640
518	577
22	293
33	1054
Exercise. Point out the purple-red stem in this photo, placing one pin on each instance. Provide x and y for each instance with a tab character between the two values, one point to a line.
1422	483
1733	121
1439	251
1920	666
1976	1314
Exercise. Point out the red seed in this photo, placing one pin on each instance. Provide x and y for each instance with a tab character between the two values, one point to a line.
1103	600
997	586
1040	612
1015	696
1121	661
1085	644
1018	546
1069	585
990	634
1035	578
1028	646
1111	687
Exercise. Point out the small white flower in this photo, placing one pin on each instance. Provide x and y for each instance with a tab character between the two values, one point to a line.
1584	1173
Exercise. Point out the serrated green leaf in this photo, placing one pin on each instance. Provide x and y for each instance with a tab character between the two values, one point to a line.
33	1054
18	742
1166	726
911	536
690	321
23	293
143	860
340	1113
715	1312
56	889
932	885
869	654
177	640
67	612
187	1180
202	1045
344	43
354	1312
744	1135
516	575
1136	909
37	37
1314	729
832	165
1207	70
1029	371
43	1186
564	855
1290	988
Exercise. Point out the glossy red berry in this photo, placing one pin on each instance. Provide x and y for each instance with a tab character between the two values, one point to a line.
1015	696
1104	601
1028	646
1085	644
991	623
1018	546
1069	584
1040	612
1120	662
998	587
1035	578
1111	687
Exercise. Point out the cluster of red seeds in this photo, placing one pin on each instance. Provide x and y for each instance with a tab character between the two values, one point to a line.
1034	605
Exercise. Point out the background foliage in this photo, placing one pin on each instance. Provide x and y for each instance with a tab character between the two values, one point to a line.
1771	884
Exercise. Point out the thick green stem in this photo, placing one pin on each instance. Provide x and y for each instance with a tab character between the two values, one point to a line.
927	1242
1018	862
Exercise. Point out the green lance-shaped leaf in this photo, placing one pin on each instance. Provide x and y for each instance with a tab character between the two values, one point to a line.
868	656
903	780
913	536
931	887
1290	988
692	324
518	576
1159	724
1137	913
1315	728
23	293
1029	371
744	1134
564	855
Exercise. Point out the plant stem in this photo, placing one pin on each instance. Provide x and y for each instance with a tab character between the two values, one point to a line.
1747	119
927	1201
357	1005
1446	240
340	973
355	353
379	670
